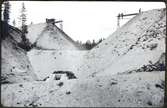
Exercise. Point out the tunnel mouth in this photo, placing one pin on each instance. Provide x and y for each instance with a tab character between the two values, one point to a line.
68	74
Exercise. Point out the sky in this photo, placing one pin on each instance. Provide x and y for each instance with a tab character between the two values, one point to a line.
81	20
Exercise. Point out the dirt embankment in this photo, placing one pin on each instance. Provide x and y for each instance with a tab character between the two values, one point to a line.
15	65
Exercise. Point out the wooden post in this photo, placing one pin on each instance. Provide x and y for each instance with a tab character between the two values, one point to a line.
118	18
124	15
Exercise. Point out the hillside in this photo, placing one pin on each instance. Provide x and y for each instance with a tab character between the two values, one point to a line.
47	36
138	42
45	62
125	70
15	65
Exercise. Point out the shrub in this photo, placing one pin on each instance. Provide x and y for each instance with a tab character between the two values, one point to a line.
26	45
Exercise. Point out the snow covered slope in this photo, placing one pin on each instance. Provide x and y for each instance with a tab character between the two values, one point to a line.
135	44
45	62
15	65
143	89
103	75
54	50
47	36
34	30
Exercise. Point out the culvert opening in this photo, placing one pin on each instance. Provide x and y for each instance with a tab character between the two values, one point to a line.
60	74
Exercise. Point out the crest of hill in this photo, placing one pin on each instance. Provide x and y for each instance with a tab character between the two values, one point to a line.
48	36
140	40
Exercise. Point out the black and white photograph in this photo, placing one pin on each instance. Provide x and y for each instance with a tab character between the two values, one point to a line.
83	54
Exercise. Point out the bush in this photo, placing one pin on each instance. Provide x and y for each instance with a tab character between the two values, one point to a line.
26	46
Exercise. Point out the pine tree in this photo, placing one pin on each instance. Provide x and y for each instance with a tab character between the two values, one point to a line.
100	40
93	43
6	11
23	18
88	44
5	27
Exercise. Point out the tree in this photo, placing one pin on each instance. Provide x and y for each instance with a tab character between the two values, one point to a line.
5	27
88	44
23	19
100	40
6	11
93	43
25	44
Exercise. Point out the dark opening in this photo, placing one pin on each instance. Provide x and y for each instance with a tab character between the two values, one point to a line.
70	75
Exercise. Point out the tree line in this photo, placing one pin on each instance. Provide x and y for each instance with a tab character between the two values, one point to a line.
88	45
25	44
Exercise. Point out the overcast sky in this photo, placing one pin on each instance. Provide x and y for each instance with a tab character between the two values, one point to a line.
82	20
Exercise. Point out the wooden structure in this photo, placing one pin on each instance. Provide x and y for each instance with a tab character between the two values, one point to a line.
121	15
50	21
53	21
61	24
